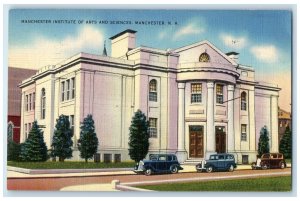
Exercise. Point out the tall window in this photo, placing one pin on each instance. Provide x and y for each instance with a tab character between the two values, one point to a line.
244	132
73	87
43	104
219	94
26	103
196	93
25	131
30	101
68	89
33	101
243	101
10	131
153	91
62	91
72	123
153	127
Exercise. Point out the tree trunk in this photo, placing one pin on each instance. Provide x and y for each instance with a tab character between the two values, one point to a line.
61	159
86	160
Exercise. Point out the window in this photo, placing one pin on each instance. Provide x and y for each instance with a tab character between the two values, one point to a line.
10	131
63	91
117	158
26	103
72	123
33	101
73	87
68	89
196	93
153	127
219	94
30	102
25	131
107	158
243	101
29	127
245	159
244	132
43	104
153	91
204	57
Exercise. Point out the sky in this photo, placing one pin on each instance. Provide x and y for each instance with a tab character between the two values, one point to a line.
262	37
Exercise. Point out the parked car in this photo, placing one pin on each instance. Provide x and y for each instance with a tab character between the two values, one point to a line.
217	162
158	163
269	160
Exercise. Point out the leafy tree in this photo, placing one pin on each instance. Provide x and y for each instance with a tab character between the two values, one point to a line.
263	144
13	151
34	148
88	141
285	145
138	136
62	139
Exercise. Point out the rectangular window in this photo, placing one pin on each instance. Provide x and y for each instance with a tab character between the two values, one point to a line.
68	89
196	93
244	132
73	87
26	103
107	158
43	107
25	131
219	94
153	127
29	128
63	91
33	101
72	123
30	102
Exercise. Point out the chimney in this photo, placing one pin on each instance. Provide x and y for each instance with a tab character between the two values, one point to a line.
233	56
122	43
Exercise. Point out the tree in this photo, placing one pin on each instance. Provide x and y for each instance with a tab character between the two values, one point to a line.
285	145
34	148
138	136
88	141
62	139
13	151
263	144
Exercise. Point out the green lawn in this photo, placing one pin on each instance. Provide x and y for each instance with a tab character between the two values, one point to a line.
69	165
263	184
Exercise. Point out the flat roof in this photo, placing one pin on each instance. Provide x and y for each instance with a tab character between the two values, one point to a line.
123	32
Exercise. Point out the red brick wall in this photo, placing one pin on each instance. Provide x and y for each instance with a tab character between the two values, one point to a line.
16	120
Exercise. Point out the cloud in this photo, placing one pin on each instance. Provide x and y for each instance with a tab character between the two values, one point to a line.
44	51
265	53
190	29
162	34
233	41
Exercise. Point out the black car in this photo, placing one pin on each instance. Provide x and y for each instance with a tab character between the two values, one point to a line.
217	162
158	163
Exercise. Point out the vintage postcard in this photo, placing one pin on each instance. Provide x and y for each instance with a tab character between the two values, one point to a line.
149	100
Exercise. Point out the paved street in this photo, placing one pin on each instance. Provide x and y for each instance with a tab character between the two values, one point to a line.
57	183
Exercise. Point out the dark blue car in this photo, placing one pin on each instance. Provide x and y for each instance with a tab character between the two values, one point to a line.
217	162
158	163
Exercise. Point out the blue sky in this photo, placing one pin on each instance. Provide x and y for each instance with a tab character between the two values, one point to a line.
263	38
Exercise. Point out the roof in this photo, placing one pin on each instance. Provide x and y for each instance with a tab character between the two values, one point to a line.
123	32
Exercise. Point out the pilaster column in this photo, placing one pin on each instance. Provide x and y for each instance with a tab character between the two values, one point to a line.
230	134
181	87
210	134
274	124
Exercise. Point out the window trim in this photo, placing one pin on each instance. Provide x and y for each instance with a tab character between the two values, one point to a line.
244	133
196	93
153	90
218	94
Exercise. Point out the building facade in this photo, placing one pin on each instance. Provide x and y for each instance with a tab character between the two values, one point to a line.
198	100
284	121
15	75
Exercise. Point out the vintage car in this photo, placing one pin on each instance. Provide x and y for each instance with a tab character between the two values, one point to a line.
269	160
158	163
217	162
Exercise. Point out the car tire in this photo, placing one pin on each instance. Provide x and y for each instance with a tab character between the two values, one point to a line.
200	170
264	167
209	169
174	169
148	172
282	165
231	168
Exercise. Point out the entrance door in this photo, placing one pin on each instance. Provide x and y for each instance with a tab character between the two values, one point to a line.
220	139
196	141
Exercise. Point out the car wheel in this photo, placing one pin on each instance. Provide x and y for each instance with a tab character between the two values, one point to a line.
264	167
231	168
200	170
148	172
209	169
174	169
282	166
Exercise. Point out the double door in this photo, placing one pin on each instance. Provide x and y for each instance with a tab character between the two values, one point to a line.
196	142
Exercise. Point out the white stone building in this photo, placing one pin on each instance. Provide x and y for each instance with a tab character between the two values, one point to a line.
198	100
